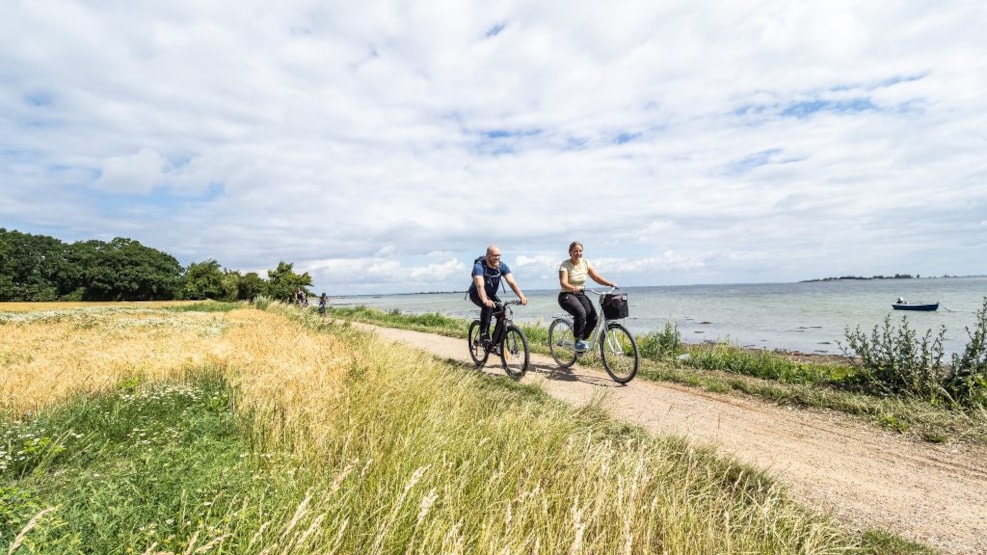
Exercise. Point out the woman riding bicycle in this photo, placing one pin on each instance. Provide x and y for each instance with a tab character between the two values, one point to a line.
572	277
487	271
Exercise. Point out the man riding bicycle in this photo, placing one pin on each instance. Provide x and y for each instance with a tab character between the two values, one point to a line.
487	271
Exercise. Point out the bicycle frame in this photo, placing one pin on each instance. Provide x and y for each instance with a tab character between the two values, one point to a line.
617	348
506	340
501	318
601	320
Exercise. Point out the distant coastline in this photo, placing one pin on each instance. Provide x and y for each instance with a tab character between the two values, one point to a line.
845	278
896	276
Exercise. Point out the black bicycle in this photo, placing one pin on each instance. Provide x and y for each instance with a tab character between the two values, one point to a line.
507	341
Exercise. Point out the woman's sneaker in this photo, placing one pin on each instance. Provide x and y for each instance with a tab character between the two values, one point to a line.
581	345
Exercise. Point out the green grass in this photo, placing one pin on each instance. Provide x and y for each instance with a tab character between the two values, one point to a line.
822	382
766	365
204	306
413	456
430	322
111	465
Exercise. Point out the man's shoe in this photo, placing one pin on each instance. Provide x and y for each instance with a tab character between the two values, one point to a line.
581	345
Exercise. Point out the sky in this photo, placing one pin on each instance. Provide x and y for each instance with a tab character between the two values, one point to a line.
381	146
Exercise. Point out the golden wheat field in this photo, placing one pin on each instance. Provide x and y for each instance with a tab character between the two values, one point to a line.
49	352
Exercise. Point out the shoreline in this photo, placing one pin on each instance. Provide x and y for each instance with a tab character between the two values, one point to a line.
790	354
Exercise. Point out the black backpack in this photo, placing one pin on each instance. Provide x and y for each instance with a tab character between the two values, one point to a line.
487	278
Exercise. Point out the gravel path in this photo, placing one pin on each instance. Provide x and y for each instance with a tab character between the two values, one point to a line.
933	494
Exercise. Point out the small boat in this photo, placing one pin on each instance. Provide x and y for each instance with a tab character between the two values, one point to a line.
924	307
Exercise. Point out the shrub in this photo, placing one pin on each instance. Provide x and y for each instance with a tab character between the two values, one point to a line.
897	361
967	382
659	345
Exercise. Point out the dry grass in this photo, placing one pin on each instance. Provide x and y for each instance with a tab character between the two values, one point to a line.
47	355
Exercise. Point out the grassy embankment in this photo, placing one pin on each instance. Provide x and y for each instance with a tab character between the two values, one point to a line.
223	429
806	381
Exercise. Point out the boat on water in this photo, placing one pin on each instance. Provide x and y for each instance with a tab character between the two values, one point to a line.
923	307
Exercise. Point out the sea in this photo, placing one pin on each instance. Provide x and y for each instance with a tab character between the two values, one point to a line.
807	317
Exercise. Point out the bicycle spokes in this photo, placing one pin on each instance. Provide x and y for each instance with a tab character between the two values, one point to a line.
562	343
514	353
619	353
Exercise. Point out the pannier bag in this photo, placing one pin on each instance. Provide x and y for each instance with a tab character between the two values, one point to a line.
615	306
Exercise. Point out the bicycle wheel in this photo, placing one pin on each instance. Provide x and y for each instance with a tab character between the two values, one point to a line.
618	351
514	352
477	352
562	343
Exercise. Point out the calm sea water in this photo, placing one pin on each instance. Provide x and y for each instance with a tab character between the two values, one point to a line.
809	317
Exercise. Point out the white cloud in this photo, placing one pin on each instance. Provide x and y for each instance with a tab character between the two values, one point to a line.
383	145
136	174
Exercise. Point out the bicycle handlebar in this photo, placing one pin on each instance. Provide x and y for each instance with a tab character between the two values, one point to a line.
607	292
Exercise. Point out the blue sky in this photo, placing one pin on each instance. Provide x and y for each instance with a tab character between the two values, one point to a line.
381	146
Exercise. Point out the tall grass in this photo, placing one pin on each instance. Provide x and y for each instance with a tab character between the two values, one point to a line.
764	364
281	432
432	322
827	382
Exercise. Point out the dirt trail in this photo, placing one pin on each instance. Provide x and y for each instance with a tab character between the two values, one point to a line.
933	494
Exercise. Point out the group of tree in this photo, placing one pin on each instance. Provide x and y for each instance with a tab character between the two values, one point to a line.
841	278
42	268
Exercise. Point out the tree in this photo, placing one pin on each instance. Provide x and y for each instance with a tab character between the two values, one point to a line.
41	268
125	270
32	267
283	281
204	280
244	287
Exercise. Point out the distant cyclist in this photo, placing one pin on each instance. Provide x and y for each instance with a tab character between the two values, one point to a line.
487	271
572	277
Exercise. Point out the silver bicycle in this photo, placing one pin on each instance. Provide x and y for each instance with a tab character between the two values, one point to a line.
617	347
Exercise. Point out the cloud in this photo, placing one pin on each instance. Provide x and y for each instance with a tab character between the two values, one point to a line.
136	174
383	145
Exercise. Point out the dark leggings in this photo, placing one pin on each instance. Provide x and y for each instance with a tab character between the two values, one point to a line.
485	311
583	313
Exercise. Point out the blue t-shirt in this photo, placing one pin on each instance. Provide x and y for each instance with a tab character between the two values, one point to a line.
491	276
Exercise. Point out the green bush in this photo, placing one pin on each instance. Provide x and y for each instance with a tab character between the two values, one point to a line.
967	381
261	302
661	345
897	361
